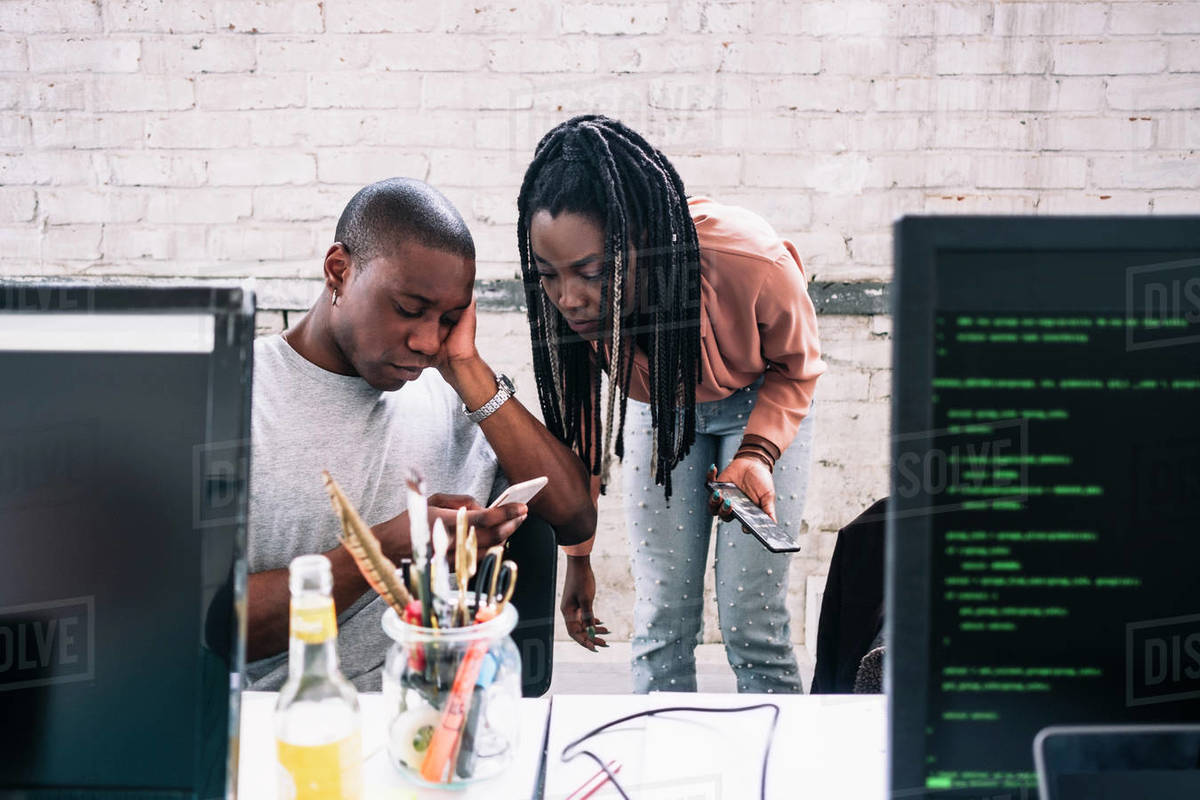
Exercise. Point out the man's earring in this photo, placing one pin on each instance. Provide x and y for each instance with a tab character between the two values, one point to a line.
333	302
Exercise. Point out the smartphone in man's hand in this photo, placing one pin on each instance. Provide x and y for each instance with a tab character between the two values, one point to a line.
521	492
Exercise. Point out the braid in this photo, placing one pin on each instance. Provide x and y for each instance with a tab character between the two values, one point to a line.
597	167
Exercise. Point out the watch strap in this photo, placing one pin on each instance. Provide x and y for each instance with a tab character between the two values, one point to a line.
503	392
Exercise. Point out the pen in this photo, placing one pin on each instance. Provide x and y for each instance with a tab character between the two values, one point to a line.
424	574
438	766
465	762
593	784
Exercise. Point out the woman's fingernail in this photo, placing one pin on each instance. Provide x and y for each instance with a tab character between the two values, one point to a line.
712	467
727	504
716	495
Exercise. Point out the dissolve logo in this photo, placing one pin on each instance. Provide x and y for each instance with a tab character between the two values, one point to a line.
1164	299
1162	660
48	643
219	471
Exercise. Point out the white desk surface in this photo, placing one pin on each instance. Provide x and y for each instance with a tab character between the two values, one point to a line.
825	745
256	759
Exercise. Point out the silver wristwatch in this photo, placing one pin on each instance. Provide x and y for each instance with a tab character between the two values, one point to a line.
505	389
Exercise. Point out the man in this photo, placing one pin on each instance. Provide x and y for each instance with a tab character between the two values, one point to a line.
347	390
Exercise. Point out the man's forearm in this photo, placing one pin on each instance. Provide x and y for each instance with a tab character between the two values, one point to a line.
526	449
268	603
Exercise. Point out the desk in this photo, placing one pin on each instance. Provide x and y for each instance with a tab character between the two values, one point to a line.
256	756
824	746
830	745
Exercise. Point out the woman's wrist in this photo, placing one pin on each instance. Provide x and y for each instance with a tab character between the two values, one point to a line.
755	442
583	550
756	454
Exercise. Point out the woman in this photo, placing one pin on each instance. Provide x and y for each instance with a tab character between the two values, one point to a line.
698	315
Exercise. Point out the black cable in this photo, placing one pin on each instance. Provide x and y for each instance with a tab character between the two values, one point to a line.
652	712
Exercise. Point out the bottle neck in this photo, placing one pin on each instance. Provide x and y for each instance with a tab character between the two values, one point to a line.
312	660
312	648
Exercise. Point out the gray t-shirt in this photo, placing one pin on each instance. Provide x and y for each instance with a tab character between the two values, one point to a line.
305	420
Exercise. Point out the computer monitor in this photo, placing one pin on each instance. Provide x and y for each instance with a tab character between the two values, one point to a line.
124	422
1043	551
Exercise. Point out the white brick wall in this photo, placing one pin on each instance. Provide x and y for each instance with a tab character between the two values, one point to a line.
222	138
76	53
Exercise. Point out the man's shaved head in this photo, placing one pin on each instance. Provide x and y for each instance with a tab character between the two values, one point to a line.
386	215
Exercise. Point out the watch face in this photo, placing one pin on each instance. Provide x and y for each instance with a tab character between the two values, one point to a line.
506	383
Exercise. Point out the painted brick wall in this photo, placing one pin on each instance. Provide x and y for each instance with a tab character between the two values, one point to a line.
220	138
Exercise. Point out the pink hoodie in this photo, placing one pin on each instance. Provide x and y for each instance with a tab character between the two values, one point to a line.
755	318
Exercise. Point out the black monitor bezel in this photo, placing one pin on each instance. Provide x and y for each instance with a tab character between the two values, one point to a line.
917	242
230	373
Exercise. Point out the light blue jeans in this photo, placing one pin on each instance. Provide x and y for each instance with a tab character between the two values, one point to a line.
670	548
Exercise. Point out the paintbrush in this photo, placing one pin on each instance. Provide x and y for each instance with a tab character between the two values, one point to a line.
418	515
416	578
362	544
441	565
419	534
408	571
464	563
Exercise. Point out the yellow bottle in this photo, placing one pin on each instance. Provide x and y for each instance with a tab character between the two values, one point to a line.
318	736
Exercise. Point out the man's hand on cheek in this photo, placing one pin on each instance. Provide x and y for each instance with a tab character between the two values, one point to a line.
459	347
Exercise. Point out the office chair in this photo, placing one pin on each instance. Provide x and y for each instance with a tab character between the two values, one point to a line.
534	550
852	611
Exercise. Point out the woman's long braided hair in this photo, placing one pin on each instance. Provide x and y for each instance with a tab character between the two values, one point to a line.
597	167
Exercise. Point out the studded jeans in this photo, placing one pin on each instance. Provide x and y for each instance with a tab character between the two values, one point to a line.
670	547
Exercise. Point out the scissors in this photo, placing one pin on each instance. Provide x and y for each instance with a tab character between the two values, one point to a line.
494	582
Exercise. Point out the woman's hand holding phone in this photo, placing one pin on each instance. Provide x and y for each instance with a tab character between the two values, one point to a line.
755	481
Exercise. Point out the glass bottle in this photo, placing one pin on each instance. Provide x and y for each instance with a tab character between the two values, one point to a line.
318	729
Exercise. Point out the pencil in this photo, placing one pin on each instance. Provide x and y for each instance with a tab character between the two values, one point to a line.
593	784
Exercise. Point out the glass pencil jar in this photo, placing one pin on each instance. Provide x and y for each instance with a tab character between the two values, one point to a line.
451	699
